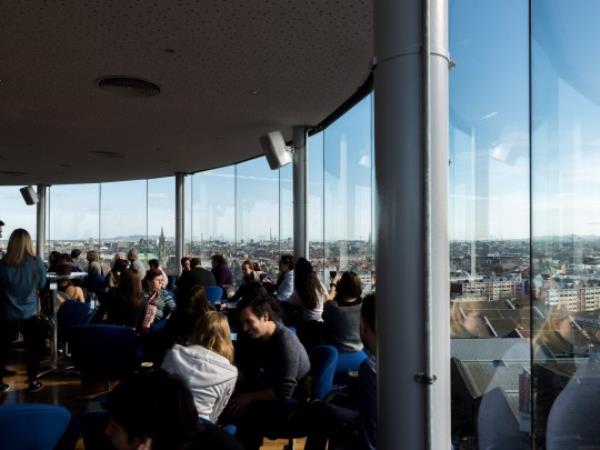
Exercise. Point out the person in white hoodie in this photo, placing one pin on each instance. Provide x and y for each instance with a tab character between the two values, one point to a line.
206	365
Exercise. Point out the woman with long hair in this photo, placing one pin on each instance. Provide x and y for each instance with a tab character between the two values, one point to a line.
124	305
309	293
22	276
342	315
206	365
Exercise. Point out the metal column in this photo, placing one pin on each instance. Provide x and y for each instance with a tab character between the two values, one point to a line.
179	218
300	193
40	240
411	157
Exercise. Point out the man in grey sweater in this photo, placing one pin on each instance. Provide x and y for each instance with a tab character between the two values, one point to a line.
273	365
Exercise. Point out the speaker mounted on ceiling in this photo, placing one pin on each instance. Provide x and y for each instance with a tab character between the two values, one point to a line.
278	154
29	195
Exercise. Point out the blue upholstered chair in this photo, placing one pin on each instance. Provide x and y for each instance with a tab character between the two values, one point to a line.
348	362
323	360
31	426
71	314
105	352
213	293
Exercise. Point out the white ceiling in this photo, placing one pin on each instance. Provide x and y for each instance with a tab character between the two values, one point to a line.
209	57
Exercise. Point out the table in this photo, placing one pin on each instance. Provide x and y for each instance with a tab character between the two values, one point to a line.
54	278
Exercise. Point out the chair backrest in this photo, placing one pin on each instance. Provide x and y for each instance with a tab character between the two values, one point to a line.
93	424
105	352
214	293
31	426
323	360
348	362
70	314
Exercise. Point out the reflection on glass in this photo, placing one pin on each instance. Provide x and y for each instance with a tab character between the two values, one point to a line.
161	223
489	225
123	219
348	156
565	226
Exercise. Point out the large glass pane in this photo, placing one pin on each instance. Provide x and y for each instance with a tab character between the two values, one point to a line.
187	214
123	219
348	190
489	224
74	218
257	216
286	210
15	214
315	203
213	213
161	223
565	225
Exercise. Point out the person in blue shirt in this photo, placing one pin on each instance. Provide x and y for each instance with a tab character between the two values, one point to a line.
22	276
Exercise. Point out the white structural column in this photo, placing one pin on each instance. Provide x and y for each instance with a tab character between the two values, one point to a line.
300	193
40	239
411	155
179	217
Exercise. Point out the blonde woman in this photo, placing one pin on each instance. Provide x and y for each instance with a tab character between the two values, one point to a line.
466	320
206	364
22	275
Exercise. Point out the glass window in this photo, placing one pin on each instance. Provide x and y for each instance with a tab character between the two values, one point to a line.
257	215
315	203
565	106
74	217
286	210
489	224
123	219
213	213
348	193
161	223
15	214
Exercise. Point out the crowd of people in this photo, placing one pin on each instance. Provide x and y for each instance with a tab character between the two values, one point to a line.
247	367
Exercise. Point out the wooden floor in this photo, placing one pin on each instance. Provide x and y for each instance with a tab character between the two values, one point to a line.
65	389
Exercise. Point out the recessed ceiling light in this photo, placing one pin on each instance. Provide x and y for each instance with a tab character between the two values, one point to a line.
128	87
108	154
255	92
15	173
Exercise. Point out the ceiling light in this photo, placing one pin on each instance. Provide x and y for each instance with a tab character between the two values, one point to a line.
128	87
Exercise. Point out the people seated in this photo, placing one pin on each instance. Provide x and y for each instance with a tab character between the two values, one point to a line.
79	264
341	315
273	366
356	419
249	277
158	296
94	267
285	281
135	263
66	289
125	304
155	411
221	271
309	293
186	264
206	364
117	269
197	275
154	264
189	310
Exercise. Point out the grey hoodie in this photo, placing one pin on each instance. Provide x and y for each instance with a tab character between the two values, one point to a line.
210	377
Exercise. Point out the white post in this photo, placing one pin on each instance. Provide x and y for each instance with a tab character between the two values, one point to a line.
411	155
300	193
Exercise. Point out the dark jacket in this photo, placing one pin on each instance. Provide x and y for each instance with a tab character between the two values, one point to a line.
197	275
